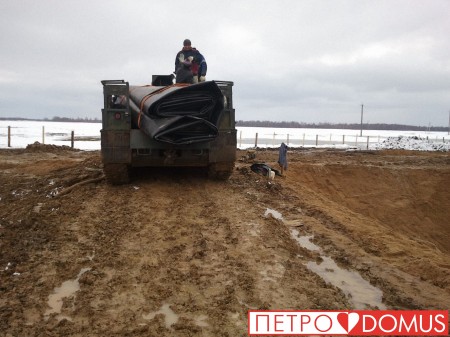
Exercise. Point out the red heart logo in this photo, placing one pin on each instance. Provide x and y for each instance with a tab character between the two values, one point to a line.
348	320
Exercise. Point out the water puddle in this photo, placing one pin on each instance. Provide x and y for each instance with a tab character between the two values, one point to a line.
170	317
67	289
359	291
304	241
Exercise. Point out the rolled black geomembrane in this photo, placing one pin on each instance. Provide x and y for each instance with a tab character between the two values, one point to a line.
177	114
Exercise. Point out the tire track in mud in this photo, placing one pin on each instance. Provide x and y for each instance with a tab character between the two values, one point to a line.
146	250
188	265
97	231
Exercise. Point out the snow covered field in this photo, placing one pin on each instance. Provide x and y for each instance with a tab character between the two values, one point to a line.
58	133
87	137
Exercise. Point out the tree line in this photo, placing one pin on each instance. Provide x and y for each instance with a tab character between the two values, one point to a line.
351	126
79	119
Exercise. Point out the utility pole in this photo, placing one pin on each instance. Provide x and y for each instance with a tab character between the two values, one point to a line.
362	112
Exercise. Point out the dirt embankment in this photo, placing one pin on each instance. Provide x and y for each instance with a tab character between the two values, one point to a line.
174	254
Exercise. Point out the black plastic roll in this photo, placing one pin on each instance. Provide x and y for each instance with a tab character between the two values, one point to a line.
177	114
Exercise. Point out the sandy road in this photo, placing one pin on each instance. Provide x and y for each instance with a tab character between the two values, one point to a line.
174	254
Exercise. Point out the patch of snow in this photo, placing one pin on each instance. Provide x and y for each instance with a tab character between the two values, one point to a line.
410	143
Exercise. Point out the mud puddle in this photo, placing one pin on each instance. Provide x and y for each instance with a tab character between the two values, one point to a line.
360	292
67	289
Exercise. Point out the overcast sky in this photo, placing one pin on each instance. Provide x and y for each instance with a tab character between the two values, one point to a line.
305	61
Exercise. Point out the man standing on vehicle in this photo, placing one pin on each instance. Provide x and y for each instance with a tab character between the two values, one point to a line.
198	66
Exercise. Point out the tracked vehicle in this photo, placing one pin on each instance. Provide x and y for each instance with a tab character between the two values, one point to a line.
166	125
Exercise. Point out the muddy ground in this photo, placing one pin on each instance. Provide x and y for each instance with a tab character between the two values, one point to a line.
175	254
